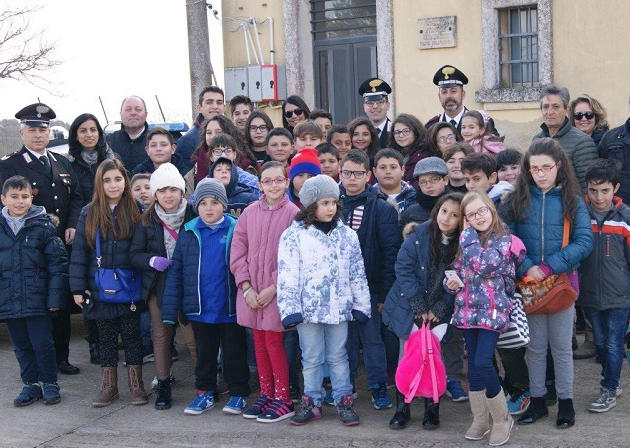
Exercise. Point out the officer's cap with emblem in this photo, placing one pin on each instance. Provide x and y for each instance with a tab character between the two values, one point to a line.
449	76
374	89
36	115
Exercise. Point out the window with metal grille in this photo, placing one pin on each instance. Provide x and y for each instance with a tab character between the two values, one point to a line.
518	46
335	19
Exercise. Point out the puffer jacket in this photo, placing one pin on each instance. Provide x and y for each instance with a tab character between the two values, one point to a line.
86	172
254	258
413	274
404	199
148	167
605	273
33	267
488	272
183	292
579	148
615	144
542	231
148	242
321	278
83	267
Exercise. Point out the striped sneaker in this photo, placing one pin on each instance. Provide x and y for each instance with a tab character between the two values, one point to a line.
258	408
276	412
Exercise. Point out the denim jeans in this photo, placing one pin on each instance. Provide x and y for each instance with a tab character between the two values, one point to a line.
319	343
480	345
609	328
34	348
374	358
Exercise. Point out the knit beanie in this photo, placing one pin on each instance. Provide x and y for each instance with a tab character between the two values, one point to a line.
305	161
210	187
430	165
166	176
318	187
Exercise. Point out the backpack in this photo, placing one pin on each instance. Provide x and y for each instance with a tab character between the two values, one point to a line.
421	371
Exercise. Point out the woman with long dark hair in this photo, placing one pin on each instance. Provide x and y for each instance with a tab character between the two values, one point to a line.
294	110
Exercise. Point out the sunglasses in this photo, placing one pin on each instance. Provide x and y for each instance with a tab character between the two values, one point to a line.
289	113
580	115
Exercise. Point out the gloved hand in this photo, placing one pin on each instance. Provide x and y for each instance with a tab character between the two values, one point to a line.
161	264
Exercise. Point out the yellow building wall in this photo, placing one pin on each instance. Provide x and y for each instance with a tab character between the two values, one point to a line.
234	53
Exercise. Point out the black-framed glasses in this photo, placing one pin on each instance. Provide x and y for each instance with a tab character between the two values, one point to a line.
580	115
403	132
446	138
268	181
289	113
261	128
347	174
544	168
482	211
219	151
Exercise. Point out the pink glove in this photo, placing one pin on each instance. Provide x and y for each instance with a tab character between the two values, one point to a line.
161	264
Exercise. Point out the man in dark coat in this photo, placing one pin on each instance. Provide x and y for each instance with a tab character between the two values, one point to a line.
56	188
129	142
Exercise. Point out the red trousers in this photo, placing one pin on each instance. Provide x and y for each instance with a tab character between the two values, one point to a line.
273	367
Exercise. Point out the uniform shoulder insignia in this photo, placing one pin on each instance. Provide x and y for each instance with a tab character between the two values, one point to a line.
10	155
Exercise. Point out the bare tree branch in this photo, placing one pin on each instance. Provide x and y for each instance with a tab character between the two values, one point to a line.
24	54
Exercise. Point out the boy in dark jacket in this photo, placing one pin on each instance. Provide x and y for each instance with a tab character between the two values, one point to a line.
34	285
207	297
239	195
161	149
605	276
376	224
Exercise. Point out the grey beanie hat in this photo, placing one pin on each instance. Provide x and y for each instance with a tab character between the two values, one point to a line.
210	187
318	187
430	165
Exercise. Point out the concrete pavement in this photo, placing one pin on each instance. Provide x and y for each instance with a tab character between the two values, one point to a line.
75	423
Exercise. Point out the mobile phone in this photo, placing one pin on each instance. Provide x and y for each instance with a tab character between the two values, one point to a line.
450	274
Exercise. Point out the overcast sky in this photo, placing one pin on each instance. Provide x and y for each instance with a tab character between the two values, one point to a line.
113	48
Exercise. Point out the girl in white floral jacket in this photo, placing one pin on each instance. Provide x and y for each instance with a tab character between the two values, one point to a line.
322	286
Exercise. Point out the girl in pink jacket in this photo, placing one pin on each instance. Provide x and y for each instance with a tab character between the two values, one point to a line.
254	263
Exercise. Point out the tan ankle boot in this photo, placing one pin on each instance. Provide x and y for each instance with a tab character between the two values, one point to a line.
480	425
502	421
109	388
136	386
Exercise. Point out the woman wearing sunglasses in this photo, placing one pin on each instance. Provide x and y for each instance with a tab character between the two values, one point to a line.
294	110
589	116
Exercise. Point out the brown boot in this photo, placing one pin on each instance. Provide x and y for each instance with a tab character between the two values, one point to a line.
480	425
109	388
136	386
501	420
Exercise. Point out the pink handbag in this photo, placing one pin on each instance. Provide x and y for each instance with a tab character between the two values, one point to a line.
421	371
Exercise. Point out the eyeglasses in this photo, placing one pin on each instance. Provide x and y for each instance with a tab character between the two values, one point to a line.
219	151
446	138
375	103
278	181
432	181
403	132
261	128
544	168
348	174
483	211
580	115
289	113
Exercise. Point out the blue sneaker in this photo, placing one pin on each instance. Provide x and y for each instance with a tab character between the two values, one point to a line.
519	402
455	390
380	396
202	403
235	405
51	393
30	394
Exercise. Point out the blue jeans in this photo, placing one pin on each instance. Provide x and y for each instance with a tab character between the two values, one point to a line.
34	348
374	358
609	328
480	345
319	343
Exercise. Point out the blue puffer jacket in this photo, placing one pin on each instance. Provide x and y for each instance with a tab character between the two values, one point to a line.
542	231
413	274
182	291
33	267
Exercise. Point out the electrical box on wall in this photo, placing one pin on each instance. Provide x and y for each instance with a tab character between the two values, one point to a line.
255	83
274	83
236	82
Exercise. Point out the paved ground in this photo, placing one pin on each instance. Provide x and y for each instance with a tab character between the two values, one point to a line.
74	423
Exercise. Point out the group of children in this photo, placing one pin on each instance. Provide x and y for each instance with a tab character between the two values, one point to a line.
313	247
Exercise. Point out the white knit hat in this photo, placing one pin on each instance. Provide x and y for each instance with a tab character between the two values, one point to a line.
166	176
